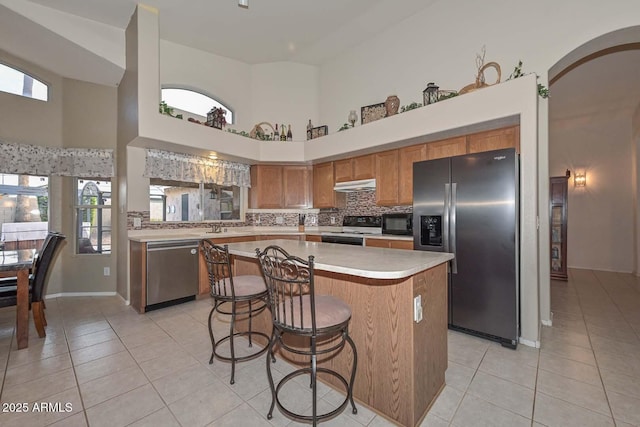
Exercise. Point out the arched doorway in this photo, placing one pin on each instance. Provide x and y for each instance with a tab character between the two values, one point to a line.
595	94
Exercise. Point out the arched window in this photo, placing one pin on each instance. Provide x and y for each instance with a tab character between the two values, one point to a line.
18	83
193	102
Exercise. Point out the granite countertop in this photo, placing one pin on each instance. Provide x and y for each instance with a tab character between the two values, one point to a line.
374	263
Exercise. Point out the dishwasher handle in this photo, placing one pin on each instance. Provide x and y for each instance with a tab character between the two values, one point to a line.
177	244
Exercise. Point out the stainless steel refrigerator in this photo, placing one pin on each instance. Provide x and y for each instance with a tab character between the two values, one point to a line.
468	205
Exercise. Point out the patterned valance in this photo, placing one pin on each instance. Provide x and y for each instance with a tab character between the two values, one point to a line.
190	168
40	160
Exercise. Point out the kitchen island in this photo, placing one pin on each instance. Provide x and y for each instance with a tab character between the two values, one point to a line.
401	362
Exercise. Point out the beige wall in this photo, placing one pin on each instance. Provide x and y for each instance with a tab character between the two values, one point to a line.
89	121
77	115
28	120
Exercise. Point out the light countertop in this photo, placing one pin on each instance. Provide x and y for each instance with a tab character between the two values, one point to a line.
202	233
374	263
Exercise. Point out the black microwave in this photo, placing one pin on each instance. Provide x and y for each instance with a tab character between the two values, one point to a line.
397	223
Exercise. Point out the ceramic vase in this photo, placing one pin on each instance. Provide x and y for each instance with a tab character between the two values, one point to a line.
392	104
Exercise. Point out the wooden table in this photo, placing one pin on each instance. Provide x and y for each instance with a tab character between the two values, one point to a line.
19	262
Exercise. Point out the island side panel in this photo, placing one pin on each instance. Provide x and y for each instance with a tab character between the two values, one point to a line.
381	329
138	275
430	339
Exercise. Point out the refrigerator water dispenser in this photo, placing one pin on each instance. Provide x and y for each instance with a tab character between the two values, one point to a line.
431	230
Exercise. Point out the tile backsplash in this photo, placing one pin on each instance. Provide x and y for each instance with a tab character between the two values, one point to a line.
357	203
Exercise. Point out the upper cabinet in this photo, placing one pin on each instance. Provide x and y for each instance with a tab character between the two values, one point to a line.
407	156
323	183
280	187
355	168
447	148
494	140
387	178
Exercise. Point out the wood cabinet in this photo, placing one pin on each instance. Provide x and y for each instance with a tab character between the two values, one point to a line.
558	224
355	168
389	243
447	148
313	238
494	140
323	183
387	178
407	156
296	186
279	236
278	187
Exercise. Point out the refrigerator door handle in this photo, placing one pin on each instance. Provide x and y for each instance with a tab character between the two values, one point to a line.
454	261
445	217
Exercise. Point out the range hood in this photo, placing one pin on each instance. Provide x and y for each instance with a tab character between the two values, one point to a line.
360	185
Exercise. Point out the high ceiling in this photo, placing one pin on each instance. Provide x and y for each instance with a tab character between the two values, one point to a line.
303	31
306	31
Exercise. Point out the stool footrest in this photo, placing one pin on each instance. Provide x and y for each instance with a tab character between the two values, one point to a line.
308	371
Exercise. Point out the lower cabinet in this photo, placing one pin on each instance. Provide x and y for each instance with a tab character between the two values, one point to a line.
313	238
389	243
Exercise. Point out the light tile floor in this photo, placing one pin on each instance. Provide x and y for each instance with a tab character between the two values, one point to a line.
114	367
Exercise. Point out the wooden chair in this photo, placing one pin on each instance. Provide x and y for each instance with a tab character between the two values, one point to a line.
246	294
43	263
297	311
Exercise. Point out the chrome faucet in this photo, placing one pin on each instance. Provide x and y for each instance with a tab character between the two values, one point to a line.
216	228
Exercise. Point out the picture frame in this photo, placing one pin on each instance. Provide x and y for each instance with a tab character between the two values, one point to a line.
373	112
319	131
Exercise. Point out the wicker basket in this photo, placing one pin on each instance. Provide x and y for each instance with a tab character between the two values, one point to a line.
480	82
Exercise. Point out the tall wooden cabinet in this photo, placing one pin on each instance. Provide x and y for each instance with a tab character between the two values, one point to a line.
558	224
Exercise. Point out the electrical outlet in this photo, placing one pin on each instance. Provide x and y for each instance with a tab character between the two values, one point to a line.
107	271
417	309
313	220
333	220
137	222
279	220
258	220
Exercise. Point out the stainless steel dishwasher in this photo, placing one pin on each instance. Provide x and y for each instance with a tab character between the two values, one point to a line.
172	272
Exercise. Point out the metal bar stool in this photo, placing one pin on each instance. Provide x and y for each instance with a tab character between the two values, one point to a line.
246	294
297	310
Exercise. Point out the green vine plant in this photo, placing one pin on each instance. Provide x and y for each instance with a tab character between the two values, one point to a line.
165	109
410	107
344	127
543	91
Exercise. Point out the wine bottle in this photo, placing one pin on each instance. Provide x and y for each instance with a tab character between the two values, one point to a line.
283	134
276	136
289	134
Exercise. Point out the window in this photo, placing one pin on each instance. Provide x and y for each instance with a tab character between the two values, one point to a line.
186	201
18	83
193	102
24	210
93	216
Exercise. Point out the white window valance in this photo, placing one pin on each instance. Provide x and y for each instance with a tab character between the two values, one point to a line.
189	168
40	160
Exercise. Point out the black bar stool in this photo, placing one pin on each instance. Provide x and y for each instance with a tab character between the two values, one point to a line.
246	294
297	310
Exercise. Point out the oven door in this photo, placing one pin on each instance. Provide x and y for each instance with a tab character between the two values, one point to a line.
343	240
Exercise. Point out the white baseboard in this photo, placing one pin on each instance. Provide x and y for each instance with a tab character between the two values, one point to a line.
81	294
125	301
529	343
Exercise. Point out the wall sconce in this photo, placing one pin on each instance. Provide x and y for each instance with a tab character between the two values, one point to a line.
580	179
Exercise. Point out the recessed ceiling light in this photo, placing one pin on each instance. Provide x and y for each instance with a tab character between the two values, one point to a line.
243	3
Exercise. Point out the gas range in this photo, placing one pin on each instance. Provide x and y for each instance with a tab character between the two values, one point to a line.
354	228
